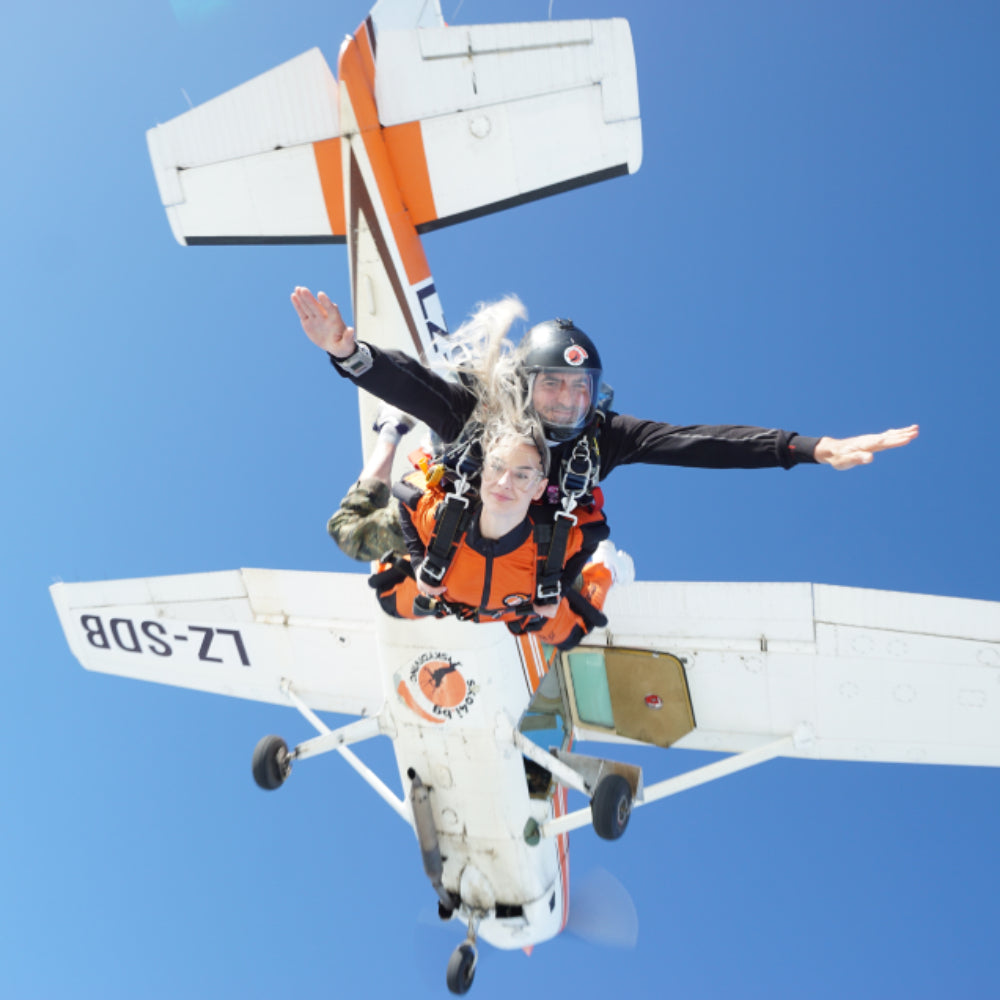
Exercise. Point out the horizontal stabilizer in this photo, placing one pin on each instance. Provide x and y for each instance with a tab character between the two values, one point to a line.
474	119
510	112
258	164
239	633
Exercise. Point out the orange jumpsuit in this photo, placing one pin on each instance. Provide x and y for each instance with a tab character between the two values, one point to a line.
494	579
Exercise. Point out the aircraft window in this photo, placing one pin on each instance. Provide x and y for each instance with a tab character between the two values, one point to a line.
549	688
544	722
590	689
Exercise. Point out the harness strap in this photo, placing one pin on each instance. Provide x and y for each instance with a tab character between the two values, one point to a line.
551	541
452	521
577	479
462	463
437	607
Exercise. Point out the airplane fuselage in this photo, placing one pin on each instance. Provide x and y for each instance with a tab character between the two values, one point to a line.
454	694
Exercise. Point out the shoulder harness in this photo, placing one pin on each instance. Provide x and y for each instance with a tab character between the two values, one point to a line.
463	462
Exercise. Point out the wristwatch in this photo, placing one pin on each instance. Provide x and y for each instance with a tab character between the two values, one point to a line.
357	363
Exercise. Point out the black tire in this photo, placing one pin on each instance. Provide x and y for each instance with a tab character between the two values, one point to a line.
461	968
611	806
271	763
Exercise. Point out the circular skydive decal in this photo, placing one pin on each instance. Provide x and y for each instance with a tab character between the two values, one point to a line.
435	688
441	683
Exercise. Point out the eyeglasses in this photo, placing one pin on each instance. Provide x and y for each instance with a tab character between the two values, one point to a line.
523	479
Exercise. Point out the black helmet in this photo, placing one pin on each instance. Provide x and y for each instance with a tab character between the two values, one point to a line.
560	348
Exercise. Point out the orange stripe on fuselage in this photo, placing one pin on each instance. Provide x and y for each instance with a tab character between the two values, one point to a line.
331	179
534	661
405	144
357	74
559	808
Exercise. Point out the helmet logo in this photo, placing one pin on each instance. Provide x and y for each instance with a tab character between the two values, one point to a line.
575	355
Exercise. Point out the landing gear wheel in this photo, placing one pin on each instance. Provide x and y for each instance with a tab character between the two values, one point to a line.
272	763
611	806
462	968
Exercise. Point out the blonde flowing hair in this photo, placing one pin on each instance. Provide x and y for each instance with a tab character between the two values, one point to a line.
483	358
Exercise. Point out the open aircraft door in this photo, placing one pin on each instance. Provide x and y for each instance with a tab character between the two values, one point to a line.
617	695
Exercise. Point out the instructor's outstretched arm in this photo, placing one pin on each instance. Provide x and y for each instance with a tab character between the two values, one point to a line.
845	453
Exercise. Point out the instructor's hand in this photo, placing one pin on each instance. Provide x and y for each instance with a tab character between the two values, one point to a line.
323	324
845	453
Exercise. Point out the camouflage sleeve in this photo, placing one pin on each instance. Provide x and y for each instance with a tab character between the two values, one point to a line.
366	525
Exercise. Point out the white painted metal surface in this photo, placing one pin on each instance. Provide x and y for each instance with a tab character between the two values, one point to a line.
876	675
403	14
468	757
510	110
239	633
242	164
506	112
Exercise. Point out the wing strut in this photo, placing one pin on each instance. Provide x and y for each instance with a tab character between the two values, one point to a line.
334	739
682	782
563	773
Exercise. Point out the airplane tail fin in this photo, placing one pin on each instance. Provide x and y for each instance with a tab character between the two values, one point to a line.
474	119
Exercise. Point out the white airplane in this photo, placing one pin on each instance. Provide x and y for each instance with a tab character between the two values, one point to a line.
428	125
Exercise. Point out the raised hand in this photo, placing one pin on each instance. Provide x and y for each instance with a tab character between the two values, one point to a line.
322	322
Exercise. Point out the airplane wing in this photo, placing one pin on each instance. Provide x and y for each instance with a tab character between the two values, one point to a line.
855	674
472	120
240	633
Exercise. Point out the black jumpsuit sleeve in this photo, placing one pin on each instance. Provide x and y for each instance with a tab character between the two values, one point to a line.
593	534
625	440
401	380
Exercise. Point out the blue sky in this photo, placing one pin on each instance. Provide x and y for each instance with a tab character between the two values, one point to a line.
811	243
